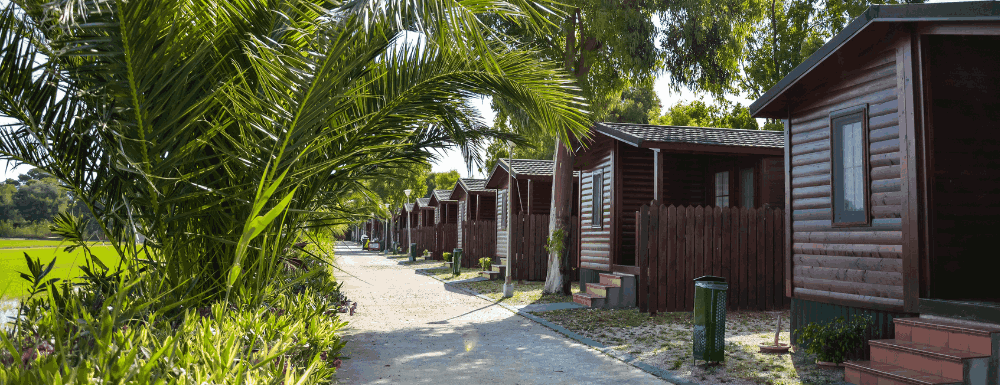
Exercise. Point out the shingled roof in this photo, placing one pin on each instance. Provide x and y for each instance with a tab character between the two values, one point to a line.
442	195
691	138
473	184
408	206
423	203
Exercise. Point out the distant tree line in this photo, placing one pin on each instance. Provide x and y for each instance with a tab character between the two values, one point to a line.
29	203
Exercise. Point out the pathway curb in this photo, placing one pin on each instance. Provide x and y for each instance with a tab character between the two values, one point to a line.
623	357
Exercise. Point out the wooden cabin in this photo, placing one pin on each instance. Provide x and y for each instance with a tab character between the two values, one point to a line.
476	210
425	213
626	166
445	222
401	224
532	198
893	183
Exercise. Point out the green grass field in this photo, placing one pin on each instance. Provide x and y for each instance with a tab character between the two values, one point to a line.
23	243
12	263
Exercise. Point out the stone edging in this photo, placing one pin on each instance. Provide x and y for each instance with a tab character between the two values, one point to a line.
623	357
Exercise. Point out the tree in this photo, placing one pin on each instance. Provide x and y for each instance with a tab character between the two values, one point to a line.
445	180
697	113
636	105
540	147
196	124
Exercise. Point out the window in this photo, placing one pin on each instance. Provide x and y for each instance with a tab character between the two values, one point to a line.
849	161
722	189
746	187
597	189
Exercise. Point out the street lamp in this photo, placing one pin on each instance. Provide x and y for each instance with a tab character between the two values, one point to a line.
409	235
387	227
508	286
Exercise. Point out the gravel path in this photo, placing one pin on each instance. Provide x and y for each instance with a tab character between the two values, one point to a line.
412	329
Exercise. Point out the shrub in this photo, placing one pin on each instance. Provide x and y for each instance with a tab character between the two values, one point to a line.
486	264
833	342
447	256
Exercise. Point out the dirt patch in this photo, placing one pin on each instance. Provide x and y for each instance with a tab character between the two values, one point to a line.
664	341
524	293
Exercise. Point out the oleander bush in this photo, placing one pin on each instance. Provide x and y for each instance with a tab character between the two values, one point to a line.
486	263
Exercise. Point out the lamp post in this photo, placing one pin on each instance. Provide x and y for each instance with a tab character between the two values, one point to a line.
387	227
508	286
409	235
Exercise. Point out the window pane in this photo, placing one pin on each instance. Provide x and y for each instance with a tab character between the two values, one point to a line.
722	189
746	187
849	169
597	218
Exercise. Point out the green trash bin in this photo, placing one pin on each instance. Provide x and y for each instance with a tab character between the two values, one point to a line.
413	252
710	318
456	261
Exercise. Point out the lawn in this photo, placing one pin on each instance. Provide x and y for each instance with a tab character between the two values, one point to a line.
525	293
12	263
25	243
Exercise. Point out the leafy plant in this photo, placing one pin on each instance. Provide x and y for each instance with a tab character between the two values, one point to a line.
835	341
486	263
447	256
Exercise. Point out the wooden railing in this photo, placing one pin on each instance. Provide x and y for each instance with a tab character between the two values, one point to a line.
479	239
676	244
531	234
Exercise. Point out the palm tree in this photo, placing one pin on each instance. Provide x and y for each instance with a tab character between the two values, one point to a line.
213	128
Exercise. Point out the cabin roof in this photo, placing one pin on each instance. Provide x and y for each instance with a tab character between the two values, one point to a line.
470	185
408	206
765	105
423	203
440	196
694	139
538	169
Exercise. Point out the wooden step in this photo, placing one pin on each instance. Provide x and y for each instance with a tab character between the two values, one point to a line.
877	373
589	300
976	338
610	279
937	360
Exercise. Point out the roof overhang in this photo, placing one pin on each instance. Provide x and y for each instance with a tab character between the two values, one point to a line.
685	147
769	105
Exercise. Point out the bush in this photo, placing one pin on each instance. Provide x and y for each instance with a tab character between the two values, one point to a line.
447	256
39	229
833	342
486	264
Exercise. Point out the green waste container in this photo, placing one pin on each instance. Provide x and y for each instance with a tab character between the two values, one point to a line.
413	252
456	261
710	318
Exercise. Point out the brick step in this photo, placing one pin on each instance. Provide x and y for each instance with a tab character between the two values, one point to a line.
610	279
936	360
589	300
956	335
600	289
878	373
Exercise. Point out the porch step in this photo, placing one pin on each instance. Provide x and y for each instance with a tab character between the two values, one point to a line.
947	333
936	360
610	279
877	373
500	269
492	274
589	300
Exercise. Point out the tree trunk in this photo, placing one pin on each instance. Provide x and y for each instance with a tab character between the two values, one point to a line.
557	278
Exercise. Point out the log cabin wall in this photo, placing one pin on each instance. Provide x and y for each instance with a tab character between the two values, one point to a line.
687	178
861	265
595	241
772	182
636	189
463	209
502	241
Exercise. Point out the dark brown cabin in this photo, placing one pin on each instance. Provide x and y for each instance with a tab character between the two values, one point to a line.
532	196
426	213
476	209
401	224
893	183
633	164
445	221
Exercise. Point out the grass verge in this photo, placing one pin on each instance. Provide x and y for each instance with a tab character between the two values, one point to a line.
526	293
665	341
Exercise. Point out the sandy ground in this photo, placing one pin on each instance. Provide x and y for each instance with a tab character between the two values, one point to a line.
412	329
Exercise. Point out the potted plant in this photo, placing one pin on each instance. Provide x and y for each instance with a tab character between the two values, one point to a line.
486	264
427	254
833	342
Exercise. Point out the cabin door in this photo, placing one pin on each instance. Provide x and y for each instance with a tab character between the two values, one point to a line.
963	142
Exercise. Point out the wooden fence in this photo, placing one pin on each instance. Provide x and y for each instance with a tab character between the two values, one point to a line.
423	236
676	244
445	239
531	234
479	239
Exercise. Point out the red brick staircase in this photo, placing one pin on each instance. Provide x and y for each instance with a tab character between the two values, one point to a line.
931	351
613	291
